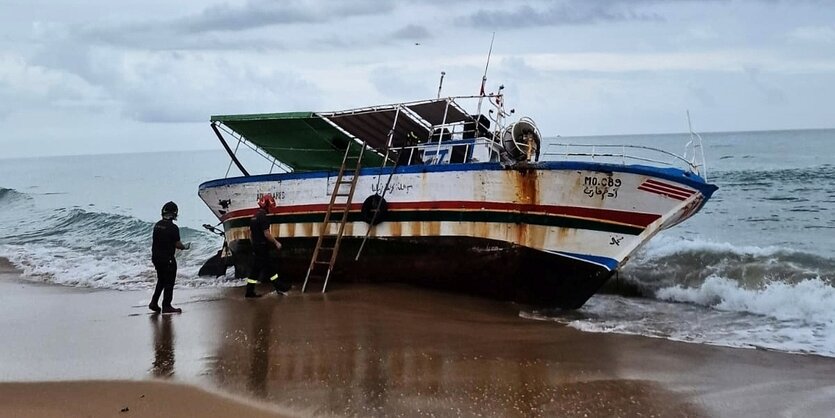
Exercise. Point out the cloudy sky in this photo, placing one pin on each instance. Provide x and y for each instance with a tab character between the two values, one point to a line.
95	76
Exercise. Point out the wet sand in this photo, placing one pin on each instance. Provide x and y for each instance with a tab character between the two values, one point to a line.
120	398
367	350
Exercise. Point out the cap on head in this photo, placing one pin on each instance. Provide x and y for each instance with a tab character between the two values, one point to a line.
266	201
170	210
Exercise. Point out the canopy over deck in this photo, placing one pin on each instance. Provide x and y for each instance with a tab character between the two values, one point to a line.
309	141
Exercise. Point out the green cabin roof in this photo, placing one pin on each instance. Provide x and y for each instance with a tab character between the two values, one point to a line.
301	140
309	141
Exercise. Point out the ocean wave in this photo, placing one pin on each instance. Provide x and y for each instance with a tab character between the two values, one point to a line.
80	248
11	195
73	226
809	301
696	290
13	206
75	267
90	269
668	261
11	199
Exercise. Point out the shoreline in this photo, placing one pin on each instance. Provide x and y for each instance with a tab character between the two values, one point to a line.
372	350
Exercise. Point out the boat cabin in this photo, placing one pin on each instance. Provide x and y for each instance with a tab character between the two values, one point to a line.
429	132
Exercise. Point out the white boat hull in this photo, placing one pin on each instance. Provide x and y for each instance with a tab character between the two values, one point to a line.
584	219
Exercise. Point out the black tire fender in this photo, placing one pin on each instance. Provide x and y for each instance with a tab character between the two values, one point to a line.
370	206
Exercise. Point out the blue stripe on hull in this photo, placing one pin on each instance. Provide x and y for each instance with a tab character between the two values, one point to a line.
609	263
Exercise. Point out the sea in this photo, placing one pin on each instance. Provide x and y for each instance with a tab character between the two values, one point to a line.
755	268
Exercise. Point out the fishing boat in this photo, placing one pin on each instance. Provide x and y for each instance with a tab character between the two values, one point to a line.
452	192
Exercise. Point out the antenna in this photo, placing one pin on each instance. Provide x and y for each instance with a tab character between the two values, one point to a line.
441	83
484	77
486	66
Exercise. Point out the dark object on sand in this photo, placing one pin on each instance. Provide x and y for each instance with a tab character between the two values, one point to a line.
217	264
214	266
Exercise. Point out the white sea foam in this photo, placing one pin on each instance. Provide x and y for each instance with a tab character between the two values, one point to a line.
70	267
809	301
792	318
126	267
76	247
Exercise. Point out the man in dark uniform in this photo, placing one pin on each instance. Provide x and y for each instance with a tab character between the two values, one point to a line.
166	240
263	243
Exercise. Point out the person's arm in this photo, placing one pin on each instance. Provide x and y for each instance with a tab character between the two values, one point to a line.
177	243
272	239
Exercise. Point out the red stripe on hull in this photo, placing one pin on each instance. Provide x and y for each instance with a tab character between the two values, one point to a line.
668	187
661	192
606	215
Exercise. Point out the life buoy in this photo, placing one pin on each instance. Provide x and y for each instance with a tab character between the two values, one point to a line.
372	204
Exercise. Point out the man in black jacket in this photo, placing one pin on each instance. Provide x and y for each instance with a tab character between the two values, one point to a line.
263	267
165	241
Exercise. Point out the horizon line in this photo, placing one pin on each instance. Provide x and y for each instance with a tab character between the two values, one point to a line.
544	137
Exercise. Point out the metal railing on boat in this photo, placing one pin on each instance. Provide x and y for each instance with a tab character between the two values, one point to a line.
621	154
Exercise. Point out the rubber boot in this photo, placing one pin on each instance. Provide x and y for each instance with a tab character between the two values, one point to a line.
171	309
279	288
250	291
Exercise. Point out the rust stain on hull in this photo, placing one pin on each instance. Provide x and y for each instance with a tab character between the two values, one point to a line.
396	229
480	229
527	193
536	237
434	228
527	186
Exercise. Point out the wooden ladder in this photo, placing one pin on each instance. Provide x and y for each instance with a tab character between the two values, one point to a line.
327	246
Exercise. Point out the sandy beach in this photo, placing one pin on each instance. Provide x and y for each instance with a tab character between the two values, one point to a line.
366	350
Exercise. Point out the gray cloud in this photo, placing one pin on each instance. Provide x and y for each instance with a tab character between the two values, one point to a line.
24	84
251	15
411	32
223	27
260	13
162	37
541	13
564	13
